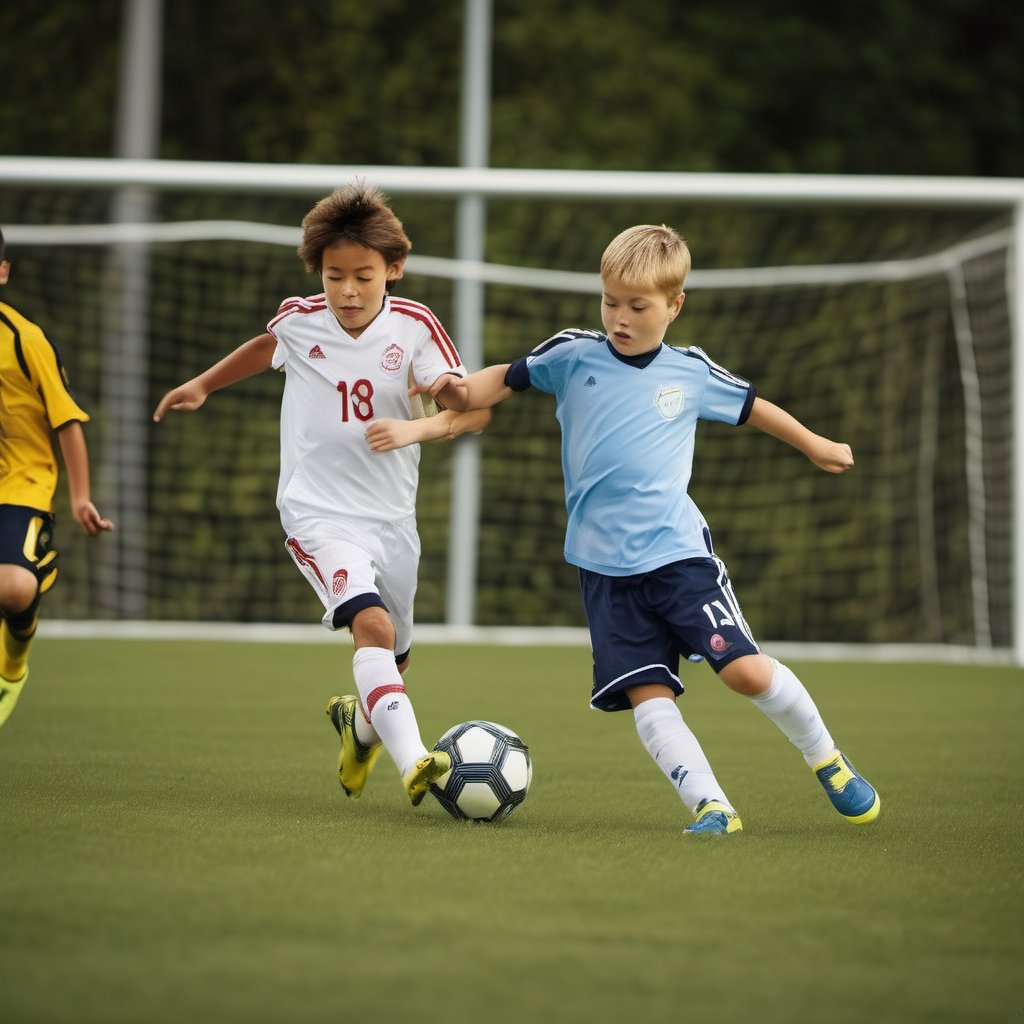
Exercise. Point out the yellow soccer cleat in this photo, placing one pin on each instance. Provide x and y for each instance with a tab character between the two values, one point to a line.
426	770
10	691
714	819
851	794
356	759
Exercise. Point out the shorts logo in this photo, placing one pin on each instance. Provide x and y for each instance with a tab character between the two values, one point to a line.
316	352
340	583
718	643
392	358
669	401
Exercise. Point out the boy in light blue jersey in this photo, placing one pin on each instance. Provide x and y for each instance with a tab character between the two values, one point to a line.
652	587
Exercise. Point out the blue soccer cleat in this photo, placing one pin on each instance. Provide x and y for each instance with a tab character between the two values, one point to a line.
851	794
714	819
356	759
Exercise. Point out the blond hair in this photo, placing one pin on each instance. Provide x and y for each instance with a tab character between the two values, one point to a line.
356	213
649	256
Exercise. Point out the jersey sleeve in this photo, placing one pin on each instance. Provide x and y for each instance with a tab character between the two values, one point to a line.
548	364
727	398
277	331
48	374
435	354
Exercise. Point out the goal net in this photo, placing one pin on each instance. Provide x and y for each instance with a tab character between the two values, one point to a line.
887	326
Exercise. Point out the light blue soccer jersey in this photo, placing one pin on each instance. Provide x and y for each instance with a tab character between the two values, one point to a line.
628	428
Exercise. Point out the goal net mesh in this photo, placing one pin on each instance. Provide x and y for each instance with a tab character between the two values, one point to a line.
885	328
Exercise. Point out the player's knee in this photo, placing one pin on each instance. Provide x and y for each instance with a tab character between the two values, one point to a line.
18	589
372	627
750	675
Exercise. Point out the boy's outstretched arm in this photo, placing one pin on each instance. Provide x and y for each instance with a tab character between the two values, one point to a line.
76	462
249	358
479	390
831	456
385	435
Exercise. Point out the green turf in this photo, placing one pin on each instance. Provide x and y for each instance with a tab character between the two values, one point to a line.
175	847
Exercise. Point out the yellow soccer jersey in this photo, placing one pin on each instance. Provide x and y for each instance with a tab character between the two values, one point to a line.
35	399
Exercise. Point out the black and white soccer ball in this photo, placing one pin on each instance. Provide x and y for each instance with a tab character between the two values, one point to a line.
491	772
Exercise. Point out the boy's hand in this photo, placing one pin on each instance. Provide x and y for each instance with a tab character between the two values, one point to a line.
832	456
185	398
451	392
90	520
386	435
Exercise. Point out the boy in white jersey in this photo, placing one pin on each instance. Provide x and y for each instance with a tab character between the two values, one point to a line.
348	356
652	587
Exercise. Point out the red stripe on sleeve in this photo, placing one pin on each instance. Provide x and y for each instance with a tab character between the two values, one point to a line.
425	315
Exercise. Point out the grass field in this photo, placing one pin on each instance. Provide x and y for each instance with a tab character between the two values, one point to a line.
175	847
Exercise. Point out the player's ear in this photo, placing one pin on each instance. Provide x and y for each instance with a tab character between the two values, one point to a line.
676	305
395	270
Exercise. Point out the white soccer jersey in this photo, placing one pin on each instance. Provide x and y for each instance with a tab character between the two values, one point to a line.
334	385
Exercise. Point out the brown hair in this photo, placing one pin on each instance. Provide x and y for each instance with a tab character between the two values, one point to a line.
356	213
649	255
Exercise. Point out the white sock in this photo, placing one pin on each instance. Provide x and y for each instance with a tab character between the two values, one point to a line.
365	732
788	704
677	753
383	695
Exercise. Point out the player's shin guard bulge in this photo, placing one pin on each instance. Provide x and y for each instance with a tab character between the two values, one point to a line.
17	631
675	750
392	716
356	759
851	794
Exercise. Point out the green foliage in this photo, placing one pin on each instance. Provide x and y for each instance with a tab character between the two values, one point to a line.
871	88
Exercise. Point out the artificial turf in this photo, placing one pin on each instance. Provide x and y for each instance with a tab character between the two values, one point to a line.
174	846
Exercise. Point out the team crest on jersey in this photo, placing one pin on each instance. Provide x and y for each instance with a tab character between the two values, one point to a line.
669	400
392	358
340	583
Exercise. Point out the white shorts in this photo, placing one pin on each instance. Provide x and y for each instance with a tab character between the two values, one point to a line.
358	564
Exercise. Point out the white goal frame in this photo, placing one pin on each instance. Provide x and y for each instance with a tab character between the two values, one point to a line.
140	176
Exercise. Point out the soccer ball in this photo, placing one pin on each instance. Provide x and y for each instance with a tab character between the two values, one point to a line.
491	772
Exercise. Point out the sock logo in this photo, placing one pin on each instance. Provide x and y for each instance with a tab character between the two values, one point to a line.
678	774
393	706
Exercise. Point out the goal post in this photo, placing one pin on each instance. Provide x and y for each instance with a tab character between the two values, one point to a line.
927	551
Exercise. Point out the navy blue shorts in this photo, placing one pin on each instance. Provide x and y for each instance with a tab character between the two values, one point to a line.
26	539
641	625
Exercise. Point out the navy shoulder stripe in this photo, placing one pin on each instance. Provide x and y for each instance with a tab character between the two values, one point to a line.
571	334
719	371
18	351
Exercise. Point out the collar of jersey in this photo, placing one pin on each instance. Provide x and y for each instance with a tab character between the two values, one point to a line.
371	328
641	361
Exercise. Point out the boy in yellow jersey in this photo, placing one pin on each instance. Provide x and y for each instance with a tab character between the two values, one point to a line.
35	399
